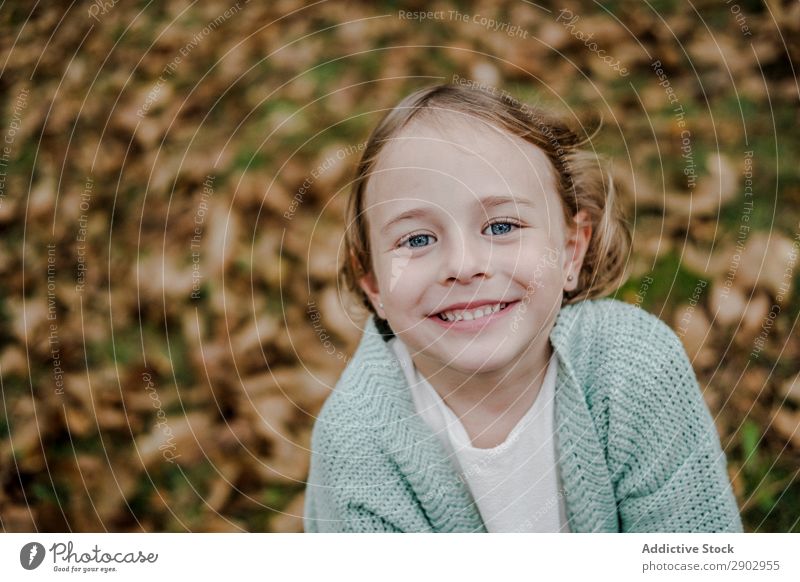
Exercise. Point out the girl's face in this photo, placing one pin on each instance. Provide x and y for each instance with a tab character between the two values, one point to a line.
465	218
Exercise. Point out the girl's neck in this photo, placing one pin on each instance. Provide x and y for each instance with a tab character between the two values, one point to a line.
510	391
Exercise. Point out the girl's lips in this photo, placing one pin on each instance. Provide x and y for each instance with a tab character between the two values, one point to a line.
475	324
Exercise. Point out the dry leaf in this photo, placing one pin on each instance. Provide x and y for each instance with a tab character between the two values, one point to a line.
787	424
726	304
175	439
769	261
791	389
694	328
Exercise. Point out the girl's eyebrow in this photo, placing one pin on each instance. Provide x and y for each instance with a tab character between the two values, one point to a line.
498	199
407	215
489	201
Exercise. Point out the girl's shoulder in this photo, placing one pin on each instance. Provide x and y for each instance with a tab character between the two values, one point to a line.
617	348
367	394
610	324
610	312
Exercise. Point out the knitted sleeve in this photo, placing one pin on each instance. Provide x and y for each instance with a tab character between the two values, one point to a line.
338	492
666	462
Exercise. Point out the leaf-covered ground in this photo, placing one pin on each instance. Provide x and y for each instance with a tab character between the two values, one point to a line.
172	185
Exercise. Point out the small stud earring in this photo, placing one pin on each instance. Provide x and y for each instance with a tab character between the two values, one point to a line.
569	278
381	305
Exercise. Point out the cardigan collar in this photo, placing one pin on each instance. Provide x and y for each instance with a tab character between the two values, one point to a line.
444	497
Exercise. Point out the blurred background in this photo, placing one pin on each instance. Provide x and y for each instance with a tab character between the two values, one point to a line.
173	178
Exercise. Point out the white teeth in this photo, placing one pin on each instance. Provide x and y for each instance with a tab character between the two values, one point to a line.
471	315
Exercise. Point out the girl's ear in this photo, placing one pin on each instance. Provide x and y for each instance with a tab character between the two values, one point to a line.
575	247
369	285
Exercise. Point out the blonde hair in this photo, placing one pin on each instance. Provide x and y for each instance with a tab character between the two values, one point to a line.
582	181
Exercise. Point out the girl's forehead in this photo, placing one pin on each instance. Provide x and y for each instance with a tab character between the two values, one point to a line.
452	150
450	138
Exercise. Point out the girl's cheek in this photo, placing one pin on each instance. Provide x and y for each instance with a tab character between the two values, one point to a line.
399	270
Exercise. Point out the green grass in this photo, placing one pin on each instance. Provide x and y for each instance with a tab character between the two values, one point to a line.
249	159
772	484
45	493
275	496
672	284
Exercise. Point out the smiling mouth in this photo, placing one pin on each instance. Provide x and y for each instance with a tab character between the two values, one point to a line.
471	314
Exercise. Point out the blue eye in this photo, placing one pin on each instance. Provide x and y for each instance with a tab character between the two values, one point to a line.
502	227
416	240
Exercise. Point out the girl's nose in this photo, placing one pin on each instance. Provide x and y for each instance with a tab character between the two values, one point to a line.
465	258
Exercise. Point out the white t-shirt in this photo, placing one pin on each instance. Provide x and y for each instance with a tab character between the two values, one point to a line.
515	485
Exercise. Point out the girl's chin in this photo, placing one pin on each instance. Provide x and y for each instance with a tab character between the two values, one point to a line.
476	361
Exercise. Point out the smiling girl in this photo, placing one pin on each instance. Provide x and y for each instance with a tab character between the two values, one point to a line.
494	389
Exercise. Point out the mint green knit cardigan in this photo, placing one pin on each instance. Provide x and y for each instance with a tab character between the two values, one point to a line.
636	446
